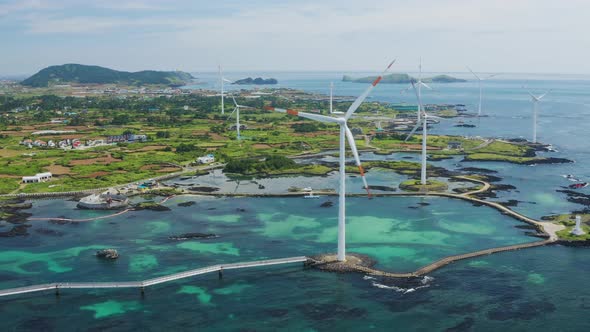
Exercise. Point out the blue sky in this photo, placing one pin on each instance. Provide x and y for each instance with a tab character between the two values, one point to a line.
533	36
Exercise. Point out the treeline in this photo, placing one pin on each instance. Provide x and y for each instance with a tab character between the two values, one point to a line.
307	127
251	166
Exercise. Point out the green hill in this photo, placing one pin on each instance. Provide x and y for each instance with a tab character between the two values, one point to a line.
402	78
75	73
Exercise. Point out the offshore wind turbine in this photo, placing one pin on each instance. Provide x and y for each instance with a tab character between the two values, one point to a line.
536	100
423	120
222	80
237	111
345	134
331	100
480	80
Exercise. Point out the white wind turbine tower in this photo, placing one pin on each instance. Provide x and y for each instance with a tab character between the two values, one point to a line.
222	80
480	80
536	100
420	84
423	120
331	100
237	111
345	133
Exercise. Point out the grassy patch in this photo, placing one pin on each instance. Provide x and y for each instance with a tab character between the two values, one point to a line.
500	157
415	185
569	221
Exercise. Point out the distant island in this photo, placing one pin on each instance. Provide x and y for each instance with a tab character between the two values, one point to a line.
256	81
75	73
403	78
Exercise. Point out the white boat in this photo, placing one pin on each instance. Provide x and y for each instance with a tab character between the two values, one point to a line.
103	202
310	193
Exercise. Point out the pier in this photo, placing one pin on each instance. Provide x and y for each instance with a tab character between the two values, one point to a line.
149	282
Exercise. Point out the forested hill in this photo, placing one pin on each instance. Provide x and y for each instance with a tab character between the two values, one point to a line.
75	73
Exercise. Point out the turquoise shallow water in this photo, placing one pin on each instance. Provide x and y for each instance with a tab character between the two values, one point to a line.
516	291
541	289
402	233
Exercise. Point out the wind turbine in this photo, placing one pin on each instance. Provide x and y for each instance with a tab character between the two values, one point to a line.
479	79
222	80
420	84
237	111
423	120
331	100
536	100
345	133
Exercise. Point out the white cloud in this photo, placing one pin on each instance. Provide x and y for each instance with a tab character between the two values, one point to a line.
498	35
12	7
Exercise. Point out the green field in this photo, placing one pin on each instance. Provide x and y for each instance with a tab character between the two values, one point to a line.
182	128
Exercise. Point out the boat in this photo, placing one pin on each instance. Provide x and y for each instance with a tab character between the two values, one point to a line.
103	202
578	185
571	177
310	193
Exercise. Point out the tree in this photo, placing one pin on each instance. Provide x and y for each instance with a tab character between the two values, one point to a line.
121	119
163	134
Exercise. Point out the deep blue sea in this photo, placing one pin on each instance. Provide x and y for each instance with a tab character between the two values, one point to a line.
543	289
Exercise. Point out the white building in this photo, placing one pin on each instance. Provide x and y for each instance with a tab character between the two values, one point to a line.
39	177
206	159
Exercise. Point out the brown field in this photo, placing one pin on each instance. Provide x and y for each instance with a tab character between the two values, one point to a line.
19	133
6	176
10	153
59	170
102	160
148	167
217	137
168	169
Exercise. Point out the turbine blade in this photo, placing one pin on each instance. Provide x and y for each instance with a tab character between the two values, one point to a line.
232	113
533	96
355	105
226	80
413	130
235	103
420	70
418	97
311	116
425	85
543	95
355	153
493	75
474	74
405	90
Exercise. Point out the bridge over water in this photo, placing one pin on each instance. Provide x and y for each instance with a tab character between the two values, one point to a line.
150	282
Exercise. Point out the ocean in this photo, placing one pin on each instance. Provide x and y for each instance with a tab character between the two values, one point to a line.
534	289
